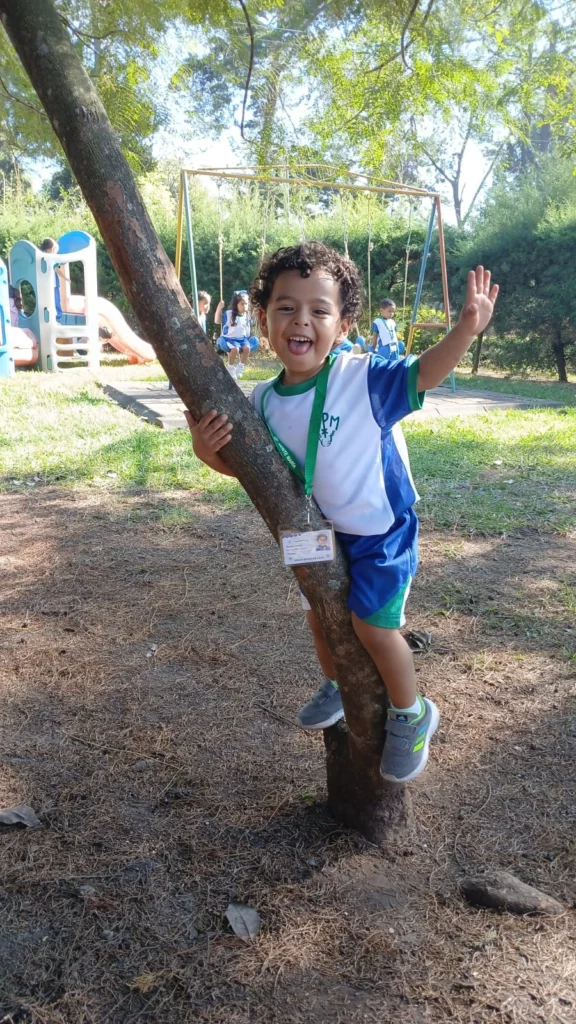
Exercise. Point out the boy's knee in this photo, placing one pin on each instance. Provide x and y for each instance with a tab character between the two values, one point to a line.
376	637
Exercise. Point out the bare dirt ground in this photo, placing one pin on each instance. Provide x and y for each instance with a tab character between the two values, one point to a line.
149	680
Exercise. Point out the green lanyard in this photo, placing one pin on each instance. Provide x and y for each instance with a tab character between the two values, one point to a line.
313	441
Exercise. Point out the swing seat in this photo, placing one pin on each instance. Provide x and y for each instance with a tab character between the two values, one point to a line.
222	346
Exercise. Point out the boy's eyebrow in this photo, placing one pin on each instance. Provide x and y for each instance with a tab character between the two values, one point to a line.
282	298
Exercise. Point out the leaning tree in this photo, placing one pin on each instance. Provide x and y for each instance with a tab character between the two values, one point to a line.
357	794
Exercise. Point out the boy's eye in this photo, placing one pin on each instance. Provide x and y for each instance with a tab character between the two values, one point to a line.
321	312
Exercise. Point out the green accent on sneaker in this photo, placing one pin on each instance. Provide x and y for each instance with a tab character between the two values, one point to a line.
407	741
391	615
410	716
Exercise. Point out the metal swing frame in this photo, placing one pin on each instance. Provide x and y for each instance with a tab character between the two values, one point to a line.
307	175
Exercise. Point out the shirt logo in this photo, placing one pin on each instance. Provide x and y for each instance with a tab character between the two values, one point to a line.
329	427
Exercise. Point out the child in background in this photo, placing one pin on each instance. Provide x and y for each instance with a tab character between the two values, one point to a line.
384	338
50	246
345	345
16	304
204	300
307	296
236	338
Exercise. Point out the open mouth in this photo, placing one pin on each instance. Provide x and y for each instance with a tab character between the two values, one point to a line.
299	346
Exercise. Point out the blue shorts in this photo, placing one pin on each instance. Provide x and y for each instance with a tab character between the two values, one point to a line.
381	571
225	344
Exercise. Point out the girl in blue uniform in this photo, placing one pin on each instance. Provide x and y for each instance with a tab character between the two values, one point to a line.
236	338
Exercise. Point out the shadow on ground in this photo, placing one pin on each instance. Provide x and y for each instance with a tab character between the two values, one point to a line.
154	655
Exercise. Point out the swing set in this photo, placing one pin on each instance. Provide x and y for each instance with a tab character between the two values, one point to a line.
321	177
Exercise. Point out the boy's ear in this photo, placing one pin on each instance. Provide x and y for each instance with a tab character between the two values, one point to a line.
345	326
263	321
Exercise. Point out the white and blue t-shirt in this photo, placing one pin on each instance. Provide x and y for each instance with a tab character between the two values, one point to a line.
362	479
238	330
388	345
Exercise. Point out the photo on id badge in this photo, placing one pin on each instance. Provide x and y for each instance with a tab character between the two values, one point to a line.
300	547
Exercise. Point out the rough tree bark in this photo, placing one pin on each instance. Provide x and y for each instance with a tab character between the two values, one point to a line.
357	794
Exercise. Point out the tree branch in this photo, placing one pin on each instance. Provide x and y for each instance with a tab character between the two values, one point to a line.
437	166
84	36
463	149
482	183
18	99
379	67
405	28
250	66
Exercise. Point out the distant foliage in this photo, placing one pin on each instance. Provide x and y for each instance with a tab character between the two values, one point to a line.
527	236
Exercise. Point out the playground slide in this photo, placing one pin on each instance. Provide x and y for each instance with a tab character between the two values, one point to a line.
122	336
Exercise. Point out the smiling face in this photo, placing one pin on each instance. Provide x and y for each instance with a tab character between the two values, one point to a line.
303	321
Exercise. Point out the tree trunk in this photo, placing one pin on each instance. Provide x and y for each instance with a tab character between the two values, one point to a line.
560	355
457	200
356	791
477	353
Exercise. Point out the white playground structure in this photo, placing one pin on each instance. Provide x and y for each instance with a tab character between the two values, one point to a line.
62	328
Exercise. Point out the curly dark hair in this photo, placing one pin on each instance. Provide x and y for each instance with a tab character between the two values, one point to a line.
236	299
307	257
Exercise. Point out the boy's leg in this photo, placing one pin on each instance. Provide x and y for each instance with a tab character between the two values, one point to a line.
393	659
325	707
321	647
412	720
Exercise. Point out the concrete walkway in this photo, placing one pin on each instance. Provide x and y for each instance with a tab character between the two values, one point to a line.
156	403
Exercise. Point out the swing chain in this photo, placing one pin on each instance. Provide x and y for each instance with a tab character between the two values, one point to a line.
344	225
408	241
368	258
220	239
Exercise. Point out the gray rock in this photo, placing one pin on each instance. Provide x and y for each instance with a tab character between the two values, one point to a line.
499	890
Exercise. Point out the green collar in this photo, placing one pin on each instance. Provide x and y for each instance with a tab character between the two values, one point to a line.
286	390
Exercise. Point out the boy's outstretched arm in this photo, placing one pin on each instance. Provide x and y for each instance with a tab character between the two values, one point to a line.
209	435
435	364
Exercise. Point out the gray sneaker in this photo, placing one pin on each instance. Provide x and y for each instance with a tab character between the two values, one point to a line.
407	740
323	710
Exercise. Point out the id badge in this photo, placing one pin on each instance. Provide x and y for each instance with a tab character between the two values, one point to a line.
300	547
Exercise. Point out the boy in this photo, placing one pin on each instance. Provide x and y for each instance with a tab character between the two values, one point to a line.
384	334
204	300
306	296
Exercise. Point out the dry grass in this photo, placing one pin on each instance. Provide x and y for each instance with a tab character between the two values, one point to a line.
149	680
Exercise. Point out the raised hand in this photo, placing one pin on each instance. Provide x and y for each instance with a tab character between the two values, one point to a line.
480	301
